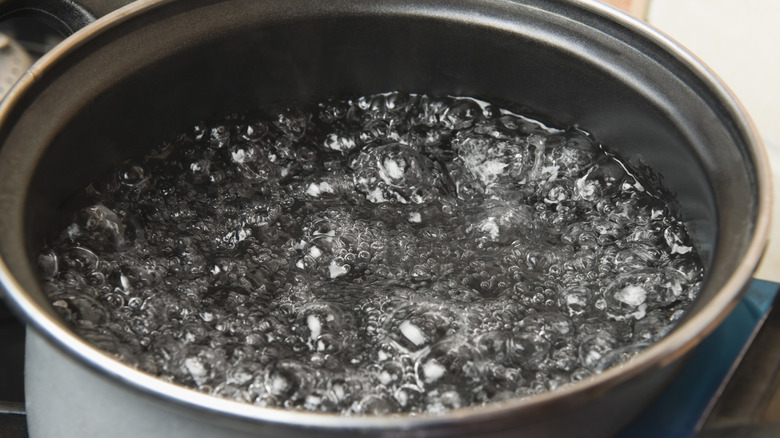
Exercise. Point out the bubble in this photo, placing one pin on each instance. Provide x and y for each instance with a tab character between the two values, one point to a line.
391	373
605	176
650	329
559	191
48	264
377	131
197	369
528	350
429	111
564	355
503	223
115	300
253	161
451	362
461	115
409	396
231	392
548	325
637	256
80	259
501	381
575	300
83	309
108	336
377	405
224	297
572	152
335	245
345	390
394	173
332	110
513	122
340	142
588	188
595	347
494	345
442	400
194	333
489	161
318	319
675	237
104	229
200	171
289	380
631	294
580	235
292	122
619	330
417	325
253	130
218	136
132	174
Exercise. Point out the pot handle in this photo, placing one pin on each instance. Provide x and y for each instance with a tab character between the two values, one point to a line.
65	16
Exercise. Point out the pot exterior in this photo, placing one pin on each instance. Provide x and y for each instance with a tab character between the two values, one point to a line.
65	396
148	71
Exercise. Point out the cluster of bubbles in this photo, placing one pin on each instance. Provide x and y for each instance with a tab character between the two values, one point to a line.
391	253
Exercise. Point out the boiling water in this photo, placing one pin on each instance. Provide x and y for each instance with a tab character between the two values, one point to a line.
393	253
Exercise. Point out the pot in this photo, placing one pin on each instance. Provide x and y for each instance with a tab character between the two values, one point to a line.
149	70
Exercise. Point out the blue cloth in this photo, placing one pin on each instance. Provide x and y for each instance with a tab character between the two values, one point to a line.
677	412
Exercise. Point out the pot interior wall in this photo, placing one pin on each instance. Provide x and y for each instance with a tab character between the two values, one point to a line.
115	95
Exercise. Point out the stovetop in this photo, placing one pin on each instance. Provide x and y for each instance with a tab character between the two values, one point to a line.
12	422
730	387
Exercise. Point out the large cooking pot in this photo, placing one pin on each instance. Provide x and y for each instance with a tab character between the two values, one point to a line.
150	70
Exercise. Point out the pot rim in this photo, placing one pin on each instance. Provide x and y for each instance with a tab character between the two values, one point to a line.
671	348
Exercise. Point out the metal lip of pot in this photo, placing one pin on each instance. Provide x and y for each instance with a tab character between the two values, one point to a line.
665	352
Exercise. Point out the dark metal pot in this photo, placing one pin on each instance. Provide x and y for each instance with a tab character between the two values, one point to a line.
149	70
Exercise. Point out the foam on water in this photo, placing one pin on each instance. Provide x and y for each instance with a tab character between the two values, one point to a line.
391	253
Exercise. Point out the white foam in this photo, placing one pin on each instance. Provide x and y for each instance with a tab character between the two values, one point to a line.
315	326
196	368
391	168
336	270
239	156
681	249
631	295
433	371
412	333
490	226
316	190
